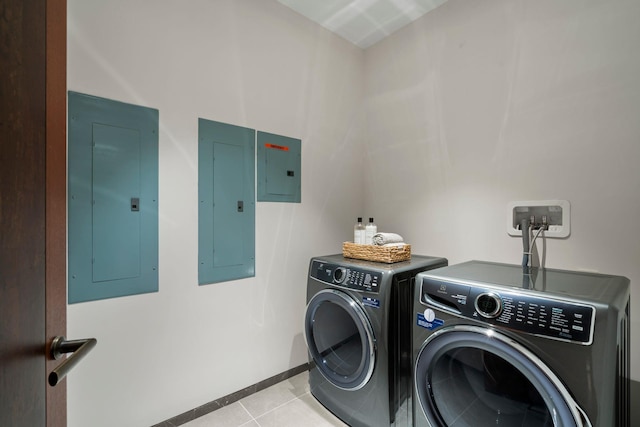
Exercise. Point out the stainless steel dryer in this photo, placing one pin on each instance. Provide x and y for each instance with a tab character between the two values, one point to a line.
358	332
496	347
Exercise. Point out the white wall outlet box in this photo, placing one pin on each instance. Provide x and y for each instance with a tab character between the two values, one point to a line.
556	212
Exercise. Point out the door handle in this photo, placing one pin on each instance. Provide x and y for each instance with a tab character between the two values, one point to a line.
60	346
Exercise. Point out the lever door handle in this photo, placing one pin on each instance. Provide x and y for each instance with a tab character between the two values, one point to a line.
59	346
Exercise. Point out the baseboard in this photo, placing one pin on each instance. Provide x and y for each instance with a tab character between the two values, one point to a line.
191	415
635	408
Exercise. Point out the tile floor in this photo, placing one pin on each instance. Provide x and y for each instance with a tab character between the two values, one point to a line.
286	404
290	404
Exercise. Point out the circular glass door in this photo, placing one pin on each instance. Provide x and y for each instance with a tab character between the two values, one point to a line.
467	376
340	339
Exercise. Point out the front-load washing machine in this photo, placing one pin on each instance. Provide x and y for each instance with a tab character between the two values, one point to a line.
496	345
358	331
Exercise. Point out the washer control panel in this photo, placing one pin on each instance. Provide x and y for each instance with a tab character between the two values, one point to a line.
521	311
347	277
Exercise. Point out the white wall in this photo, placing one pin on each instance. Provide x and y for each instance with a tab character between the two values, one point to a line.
251	63
482	103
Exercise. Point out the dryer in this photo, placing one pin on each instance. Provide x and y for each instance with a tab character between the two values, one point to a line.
496	345
358	331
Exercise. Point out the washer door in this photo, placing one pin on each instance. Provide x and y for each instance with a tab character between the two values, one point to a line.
340	339
473	376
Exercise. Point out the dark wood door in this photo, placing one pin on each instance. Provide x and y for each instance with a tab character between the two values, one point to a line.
32	208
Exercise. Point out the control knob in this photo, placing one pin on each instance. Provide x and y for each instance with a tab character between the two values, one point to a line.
488	305
339	274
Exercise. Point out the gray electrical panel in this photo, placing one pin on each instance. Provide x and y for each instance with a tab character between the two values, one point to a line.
226	202
112	198
279	170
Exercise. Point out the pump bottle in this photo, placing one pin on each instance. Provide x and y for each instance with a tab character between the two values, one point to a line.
359	232
370	230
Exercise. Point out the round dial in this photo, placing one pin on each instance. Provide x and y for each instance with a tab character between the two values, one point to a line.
488	305
339	274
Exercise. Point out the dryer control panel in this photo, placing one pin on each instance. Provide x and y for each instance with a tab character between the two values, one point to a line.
526	312
348	277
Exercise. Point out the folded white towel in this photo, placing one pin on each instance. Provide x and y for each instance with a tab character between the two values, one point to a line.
385	238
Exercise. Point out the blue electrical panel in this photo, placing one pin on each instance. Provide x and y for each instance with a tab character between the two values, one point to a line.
112	198
226	196
278	168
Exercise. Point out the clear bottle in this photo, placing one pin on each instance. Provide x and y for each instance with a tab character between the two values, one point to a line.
359	232
370	230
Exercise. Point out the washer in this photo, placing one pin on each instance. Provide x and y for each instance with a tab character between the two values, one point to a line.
495	346
357	329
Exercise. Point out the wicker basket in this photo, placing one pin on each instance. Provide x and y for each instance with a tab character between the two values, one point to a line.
388	254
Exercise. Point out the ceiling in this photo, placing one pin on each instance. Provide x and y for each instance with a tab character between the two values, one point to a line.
362	22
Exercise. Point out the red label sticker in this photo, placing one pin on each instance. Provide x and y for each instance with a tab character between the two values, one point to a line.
277	147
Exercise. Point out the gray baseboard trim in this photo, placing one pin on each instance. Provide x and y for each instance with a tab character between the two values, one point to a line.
635	408
191	415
